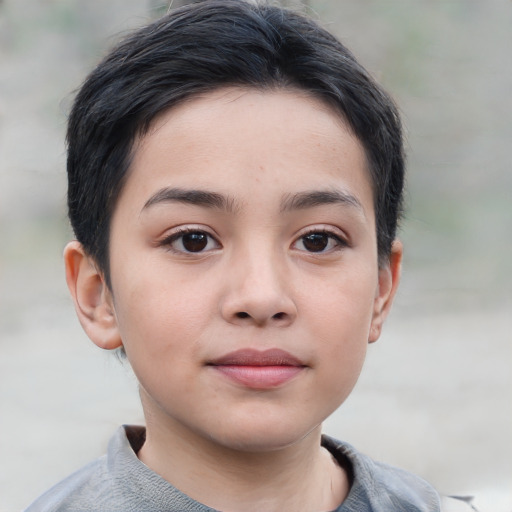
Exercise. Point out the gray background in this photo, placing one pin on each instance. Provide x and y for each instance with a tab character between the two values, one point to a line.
435	396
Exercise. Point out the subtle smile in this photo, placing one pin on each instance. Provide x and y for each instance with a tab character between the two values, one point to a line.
258	369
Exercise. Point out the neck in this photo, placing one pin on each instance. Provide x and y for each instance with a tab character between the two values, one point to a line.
299	477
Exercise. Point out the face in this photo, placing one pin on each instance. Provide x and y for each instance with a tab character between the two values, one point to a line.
245	283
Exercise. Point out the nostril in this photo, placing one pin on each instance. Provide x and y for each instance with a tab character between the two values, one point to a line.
279	316
242	314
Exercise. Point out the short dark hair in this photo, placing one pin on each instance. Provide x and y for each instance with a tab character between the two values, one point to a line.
200	48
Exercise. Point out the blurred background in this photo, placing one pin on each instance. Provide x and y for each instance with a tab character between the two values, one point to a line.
436	394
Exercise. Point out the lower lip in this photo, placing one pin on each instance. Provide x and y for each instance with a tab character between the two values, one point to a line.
259	377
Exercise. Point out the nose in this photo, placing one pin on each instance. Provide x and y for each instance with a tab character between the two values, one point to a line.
258	292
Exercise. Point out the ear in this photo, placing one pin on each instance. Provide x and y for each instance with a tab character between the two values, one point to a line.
389	277
92	297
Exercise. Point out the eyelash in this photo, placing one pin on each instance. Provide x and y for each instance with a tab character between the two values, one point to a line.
340	243
168	241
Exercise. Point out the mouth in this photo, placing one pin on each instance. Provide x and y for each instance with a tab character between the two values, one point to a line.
258	369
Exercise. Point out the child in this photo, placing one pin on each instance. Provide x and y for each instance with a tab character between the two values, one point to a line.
235	183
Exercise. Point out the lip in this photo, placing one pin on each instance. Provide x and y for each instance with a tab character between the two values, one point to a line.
258	369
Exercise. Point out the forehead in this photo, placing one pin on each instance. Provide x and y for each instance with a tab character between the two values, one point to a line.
281	141
230	107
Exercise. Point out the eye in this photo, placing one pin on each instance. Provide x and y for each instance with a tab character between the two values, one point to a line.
190	241
319	241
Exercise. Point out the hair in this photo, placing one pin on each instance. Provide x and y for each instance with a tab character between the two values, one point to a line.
198	49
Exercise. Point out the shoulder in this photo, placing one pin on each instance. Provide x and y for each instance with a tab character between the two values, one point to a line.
78	491
457	504
92	487
387	488
117	482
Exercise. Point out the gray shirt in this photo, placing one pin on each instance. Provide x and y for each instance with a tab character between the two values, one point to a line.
120	482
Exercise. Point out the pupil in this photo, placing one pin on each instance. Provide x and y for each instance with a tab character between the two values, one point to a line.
315	242
195	242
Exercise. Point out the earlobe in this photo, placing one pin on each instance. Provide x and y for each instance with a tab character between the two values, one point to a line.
92	297
389	278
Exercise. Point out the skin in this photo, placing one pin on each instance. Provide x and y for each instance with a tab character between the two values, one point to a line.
282	256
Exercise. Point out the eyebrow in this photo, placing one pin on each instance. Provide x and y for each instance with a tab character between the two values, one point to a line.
304	200
298	201
193	197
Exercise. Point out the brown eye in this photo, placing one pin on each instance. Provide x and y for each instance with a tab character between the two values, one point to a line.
315	242
319	242
195	242
190	241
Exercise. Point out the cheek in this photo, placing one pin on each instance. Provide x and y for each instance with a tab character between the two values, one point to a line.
158	314
343	304
340	316
343	349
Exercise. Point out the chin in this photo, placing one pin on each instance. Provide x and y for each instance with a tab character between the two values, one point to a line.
266	437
